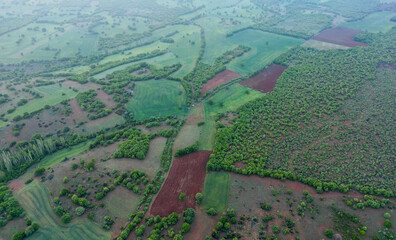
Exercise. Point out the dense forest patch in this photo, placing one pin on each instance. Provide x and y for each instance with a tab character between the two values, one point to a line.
300	130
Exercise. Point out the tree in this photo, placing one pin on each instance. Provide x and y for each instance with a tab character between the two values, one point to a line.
39	171
66	218
19	235
212	212
388	224
140	230
182	196
185	228
65	180
198	198
80	211
328	233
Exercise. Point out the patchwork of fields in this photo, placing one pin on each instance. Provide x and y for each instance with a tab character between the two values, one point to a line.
169	119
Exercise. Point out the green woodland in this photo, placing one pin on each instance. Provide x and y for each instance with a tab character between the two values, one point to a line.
286	134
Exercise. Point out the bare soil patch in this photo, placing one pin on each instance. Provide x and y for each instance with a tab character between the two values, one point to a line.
247	192
15	185
341	36
218	79
187	175
265	80
196	115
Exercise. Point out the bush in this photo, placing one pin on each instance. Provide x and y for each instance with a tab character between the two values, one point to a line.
39	171
185	228
80	211
328	233
66	218
182	196
211	212
65	180
388	224
19	235
387	215
187	150
198	198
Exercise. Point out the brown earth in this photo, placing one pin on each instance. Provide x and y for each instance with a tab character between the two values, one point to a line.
15	185
218	79
196	115
265	80
187	175
341	36
247	192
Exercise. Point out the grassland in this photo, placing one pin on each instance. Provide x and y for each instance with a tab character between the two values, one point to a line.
121	202
58	156
52	95
265	48
34	199
217	185
375	22
187	136
155	98
227	99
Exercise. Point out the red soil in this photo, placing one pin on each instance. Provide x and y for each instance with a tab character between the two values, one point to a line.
341	36
218	79
295	186
187	175
265	80
15	185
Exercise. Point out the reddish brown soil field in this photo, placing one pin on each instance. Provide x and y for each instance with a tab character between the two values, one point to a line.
341	36
219	79
265	80
15	185
187	175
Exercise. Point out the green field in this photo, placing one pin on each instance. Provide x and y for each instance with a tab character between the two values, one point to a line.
265	48
376	22
103	123
155	98
34	199
231	98
52	159
52	95
187	136
215	36
217	185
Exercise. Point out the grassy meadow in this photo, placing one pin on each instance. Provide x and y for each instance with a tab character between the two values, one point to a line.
217	185
375	22
35	200
155	98
52	95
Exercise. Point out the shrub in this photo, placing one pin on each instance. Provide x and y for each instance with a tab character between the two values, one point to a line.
198	198
19	235
65	180
185	228
182	196
328	233
388	224
80	211
211	212
39	171
387	215
66	218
